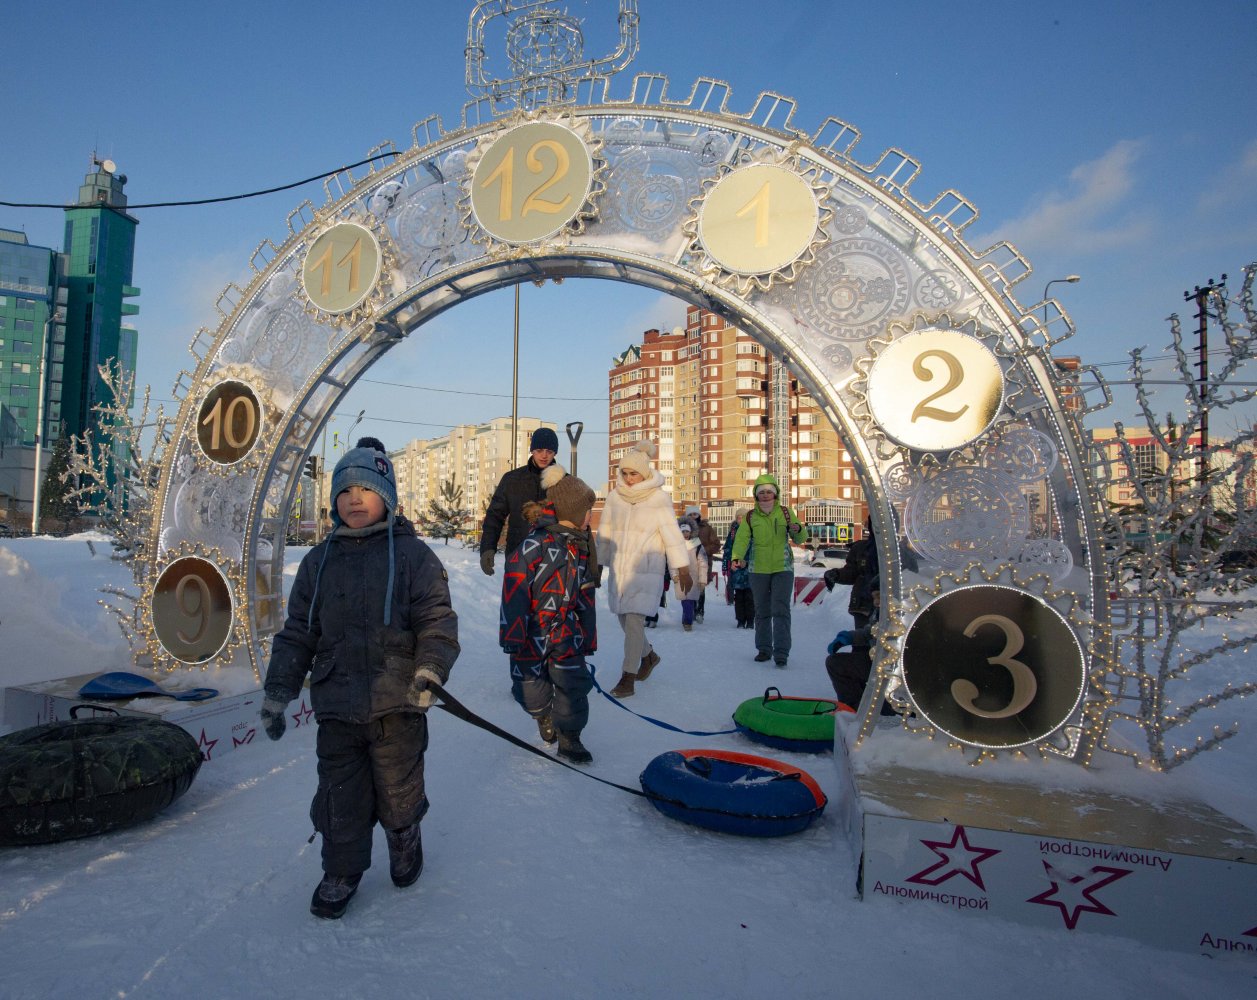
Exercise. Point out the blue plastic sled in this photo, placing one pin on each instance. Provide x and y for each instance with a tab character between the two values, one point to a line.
118	685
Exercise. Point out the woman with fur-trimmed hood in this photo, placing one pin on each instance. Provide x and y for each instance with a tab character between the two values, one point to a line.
638	542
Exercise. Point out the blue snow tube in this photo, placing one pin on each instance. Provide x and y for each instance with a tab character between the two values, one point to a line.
733	792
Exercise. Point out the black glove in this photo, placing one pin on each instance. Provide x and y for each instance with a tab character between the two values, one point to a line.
421	694
486	561
273	720
831	578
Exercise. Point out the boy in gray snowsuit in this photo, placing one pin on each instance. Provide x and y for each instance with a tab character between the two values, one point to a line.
370	622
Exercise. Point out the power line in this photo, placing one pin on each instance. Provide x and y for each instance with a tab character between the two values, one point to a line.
398	420
495	395
213	201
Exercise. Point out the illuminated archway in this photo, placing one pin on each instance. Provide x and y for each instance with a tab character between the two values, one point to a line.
936	377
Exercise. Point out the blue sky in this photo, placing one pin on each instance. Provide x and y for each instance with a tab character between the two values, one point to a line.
1115	140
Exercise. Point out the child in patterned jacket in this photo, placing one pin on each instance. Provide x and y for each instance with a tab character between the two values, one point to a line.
548	623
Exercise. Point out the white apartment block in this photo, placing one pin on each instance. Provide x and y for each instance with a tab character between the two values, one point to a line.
474	456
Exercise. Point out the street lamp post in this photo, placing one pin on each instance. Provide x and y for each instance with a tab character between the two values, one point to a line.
1070	279
53	316
515	387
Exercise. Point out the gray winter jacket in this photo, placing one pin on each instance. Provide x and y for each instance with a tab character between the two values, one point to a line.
359	667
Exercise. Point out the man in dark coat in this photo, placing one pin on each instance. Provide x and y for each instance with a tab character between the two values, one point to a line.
516	488
858	571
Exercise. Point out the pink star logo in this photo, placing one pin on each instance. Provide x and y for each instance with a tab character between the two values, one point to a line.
248	738
1073	893
1251	932
303	715
207	746
956	857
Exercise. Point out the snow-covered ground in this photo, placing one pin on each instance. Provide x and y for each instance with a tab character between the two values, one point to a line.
538	882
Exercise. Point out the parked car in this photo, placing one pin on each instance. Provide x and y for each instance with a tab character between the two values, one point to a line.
1239	559
828	557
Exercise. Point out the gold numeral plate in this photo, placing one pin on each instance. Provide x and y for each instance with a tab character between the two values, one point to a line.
758	219
341	267
935	390
228	422
192	609
993	666
531	182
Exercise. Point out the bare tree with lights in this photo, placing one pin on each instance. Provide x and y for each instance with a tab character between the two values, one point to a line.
1179	551
111	478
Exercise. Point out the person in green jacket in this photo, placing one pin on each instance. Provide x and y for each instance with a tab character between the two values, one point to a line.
767	531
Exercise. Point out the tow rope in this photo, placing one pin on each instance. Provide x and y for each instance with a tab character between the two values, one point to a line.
657	722
454	707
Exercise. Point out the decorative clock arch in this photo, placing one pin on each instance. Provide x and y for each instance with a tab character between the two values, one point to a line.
938	380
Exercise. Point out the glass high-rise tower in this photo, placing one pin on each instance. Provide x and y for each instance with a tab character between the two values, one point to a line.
62	316
99	251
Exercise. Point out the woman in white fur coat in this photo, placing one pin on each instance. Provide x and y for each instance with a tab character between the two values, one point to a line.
638	541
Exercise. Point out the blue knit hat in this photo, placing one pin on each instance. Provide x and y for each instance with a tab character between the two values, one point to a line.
365	465
544	437
368	467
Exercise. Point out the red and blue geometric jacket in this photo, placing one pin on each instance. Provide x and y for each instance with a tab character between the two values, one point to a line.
548	597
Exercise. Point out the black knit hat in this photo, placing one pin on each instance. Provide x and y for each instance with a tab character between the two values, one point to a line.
543	437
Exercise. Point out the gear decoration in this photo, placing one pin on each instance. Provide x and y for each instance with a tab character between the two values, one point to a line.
1019	452
539	178
900	481
850	219
650	190
278	341
347	269
211	505
426	219
760	221
853	288
964	514
935	389
187	609
1047	555
936	289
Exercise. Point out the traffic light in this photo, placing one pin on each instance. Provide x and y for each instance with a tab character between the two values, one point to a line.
313	466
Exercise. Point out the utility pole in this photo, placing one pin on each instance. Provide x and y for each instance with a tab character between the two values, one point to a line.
1201	296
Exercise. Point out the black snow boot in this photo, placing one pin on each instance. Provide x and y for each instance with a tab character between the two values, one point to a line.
405	855
545	727
332	895
571	748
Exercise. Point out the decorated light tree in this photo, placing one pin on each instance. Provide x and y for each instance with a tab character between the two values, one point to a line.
1178	549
